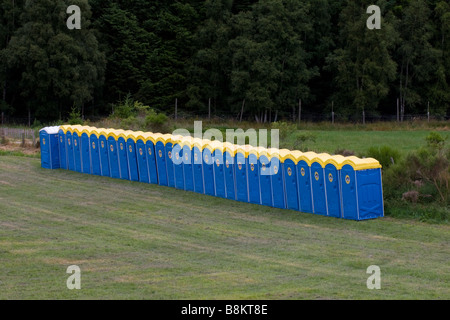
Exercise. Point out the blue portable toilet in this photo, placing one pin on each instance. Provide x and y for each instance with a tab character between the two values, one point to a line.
229	170
265	178
241	161
113	154
70	154
122	152
133	169
208	168
168	147
49	140
197	155
178	168
141	153
151	158
254	192
318	184
219	169
63	147
361	186
160	151
77	149
304	182
277	180
103	151
289	163
95	153
85	151
188	173
332	182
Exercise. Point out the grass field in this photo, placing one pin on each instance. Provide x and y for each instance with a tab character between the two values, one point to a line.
140	241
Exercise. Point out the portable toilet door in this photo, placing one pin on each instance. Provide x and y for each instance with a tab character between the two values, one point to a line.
289	164
169	162
265	180
219	172
188	165
132	157
228	160
77	151
208	168
70	154
278	193
332	181
49	140
62	148
85	152
151	159
349	202
123	156
161	159
254	193
141	153
177	160
318	188
304	186
197	165
103	150
241	160
95	153
113	156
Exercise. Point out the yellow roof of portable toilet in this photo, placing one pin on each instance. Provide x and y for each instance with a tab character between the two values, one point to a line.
187	141
273	153
362	164
197	142
64	128
95	131
217	145
207	144
245	150
321	159
263	152
336	160
286	154
230	148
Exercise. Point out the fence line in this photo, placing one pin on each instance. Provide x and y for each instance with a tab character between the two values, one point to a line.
17	133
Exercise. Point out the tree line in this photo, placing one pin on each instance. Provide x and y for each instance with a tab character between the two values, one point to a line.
249	59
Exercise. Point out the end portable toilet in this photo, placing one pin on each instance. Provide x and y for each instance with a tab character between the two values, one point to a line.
49	140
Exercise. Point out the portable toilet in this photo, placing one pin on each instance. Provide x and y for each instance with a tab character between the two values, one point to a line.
151	158
63	147
289	161
69	145
278	192
265	177
254	192
131	138
229	170
361	186
103	151
77	148
113	154
332	183
85	150
141	154
168	147
188	173
49	140
318	184
177	159
160	142
197	154
241	160
208	167
95	152
304	182
219	170
122	152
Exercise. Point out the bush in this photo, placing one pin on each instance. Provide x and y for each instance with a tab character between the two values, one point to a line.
75	117
291	137
155	121
385	155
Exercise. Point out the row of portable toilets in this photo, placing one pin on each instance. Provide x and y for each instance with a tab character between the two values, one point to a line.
336	186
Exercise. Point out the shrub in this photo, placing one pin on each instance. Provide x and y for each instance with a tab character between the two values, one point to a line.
75	117
155	120
385	155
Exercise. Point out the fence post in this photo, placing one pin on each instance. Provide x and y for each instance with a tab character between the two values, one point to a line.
428	111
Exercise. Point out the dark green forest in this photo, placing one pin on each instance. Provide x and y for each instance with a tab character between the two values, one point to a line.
254	60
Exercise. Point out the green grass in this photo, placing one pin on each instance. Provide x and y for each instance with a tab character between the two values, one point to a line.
361	141
140	241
